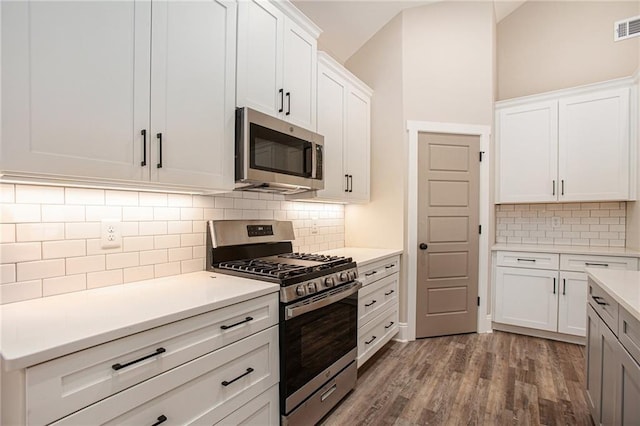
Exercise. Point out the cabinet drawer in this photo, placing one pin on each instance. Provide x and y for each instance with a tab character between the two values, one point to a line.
604	305
577	262
377	297
67	384
531	260
629	333
203	391
260	411
377	333
378	270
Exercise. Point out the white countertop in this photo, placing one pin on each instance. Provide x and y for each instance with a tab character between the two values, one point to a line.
623	286
363	256
38	330
597	251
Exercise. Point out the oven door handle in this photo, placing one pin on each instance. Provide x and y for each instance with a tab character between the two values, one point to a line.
292	312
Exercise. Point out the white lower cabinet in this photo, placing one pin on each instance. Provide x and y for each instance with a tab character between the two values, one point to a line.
377	306
260	411
547	291
198	370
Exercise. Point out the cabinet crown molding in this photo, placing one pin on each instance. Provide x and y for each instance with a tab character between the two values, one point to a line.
300	18
328	61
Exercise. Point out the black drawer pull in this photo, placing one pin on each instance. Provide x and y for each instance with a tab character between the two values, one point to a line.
526	260
143	132
226	327
368	274
161	420
227	383
390	266
370	341
598	300
159	136
390	324
606	265
564	286
389	292
370	304
119	366
554	286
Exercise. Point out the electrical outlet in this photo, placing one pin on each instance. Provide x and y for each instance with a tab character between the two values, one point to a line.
314	225
111	234
556	222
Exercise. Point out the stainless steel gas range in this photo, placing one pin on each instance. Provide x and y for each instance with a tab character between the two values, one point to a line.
318	311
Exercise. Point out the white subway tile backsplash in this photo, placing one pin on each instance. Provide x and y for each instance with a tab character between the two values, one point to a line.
596	224
27	271
51	235
65	284
30	194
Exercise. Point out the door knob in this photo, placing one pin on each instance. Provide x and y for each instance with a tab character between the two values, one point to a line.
423	246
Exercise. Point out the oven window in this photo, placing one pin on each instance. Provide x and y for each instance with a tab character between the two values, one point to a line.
278	152
316	340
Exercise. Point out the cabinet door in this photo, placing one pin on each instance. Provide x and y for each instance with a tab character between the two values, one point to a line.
299	79
527	298
527	151
627	406
332	92
610	371
260	50
193	89
357	146
572	303
594	146
75	88
594	363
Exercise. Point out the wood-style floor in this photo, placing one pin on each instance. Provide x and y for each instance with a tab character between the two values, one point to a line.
472	379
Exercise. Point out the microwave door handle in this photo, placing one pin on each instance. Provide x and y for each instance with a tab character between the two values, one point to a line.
314	162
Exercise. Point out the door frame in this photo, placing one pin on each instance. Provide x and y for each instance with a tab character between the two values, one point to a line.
411	238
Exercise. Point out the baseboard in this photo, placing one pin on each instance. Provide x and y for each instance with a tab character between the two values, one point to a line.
403	333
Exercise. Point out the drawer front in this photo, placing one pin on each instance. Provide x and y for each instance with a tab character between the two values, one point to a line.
629	333
260	411
604	305
203	391
378	270
377	297
377	333
531	260
577	262
67	384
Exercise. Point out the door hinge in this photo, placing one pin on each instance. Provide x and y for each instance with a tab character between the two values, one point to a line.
481	154
479	229
478	300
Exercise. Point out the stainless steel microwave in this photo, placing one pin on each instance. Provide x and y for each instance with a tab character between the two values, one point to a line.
272	155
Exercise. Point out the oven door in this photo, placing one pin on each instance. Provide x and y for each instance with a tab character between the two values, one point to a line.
318	339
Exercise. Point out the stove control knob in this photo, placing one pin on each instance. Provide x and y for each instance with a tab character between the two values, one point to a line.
352	275
329	282
312	287
300	291
344	276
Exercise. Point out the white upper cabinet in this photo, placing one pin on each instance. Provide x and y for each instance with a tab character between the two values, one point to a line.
277	48
569	146
85	95
344	119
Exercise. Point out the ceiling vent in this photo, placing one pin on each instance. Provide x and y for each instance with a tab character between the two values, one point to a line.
626	28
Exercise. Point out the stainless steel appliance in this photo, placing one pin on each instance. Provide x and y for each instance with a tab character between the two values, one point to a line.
318	311
275	156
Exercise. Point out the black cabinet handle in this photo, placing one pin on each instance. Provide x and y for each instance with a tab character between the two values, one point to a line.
562	183
346	185
227	383
389	292
161	420
281	91
226	327
554	187
564	286
598	299
368	274
605	265
288	95
370	341
390	324
119	366
526	260
554	286
159	136
370	304
390	266
143	132
350	183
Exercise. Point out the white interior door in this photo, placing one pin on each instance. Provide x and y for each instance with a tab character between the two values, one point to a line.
527	153
193	88
75	87
572	303
358	141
